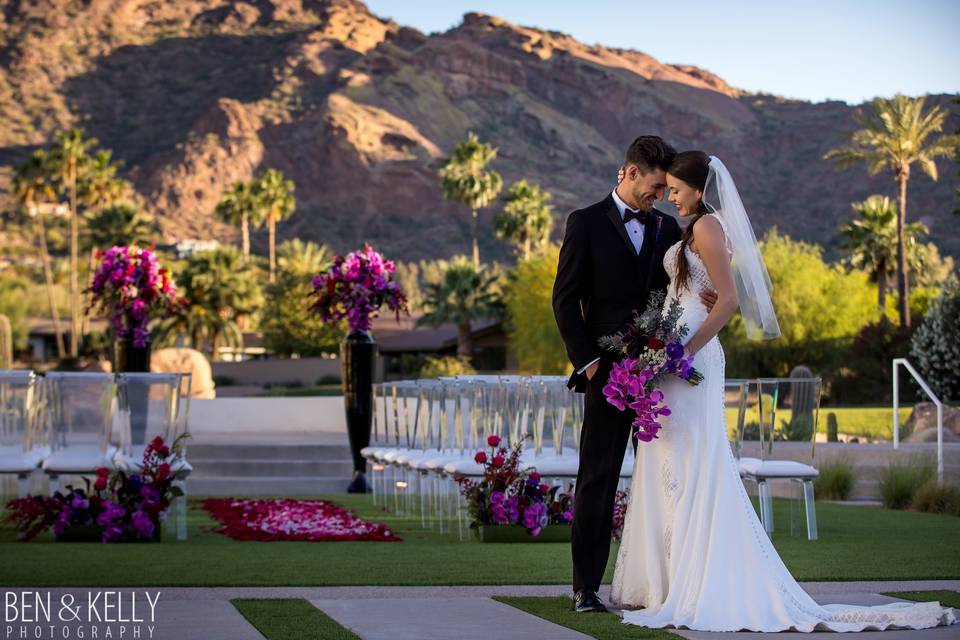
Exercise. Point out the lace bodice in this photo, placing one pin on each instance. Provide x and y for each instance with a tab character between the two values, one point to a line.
699	279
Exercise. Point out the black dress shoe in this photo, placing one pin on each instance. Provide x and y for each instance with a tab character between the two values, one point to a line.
584	601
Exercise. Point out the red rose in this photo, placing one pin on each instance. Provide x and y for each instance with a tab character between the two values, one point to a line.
535	476
163	472
101	483
544	489
102	472
156	444
480	458
655	343
164	451
497	462
493	441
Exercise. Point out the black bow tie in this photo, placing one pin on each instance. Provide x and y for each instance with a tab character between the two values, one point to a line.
630	214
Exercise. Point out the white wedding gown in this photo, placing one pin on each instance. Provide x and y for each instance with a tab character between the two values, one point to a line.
693	552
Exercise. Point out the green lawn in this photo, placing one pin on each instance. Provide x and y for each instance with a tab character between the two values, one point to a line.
291	619
602	626
944	597
856	543
866	422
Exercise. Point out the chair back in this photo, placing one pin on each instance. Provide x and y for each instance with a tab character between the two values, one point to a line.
149	406
735	407
18	410
79	408
797	401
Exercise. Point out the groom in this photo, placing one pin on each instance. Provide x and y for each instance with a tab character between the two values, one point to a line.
610	261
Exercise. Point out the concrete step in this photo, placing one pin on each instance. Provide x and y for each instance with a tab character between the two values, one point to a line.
271	468
281	486
228	451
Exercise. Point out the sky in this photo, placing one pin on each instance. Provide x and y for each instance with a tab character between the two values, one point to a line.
850	50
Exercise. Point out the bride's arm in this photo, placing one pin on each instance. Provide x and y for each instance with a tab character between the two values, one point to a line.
711	246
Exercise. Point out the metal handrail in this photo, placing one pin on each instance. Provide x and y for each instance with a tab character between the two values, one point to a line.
896	409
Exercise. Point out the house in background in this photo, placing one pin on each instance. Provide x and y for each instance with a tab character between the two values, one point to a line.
403	345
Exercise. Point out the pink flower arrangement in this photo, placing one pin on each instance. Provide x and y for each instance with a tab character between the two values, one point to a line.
301	520
130	285
627	388
123	507
508	495
355	286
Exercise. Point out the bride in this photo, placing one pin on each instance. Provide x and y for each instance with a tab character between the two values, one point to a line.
693	552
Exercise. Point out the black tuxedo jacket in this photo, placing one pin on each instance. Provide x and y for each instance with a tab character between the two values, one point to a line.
601	278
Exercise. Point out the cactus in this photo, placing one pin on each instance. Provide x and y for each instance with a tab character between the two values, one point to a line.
832	427
6	343
802	401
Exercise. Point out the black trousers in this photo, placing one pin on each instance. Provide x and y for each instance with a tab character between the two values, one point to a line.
603	443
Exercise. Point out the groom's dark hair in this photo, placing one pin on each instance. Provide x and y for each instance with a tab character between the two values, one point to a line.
650	152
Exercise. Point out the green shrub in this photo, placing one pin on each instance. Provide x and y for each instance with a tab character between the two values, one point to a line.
902	480
836	480
446	366
937	497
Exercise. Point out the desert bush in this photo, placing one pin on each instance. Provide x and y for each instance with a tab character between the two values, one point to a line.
902	480
937	497
836	480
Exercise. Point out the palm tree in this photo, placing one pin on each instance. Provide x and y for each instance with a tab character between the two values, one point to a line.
527	218
301	258
219	290
871	239
894	136
31	186
119	224
274	194
463	295
99	186
464	178
239	207
68	159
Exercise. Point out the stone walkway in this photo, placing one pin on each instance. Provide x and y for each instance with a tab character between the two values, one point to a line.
388	613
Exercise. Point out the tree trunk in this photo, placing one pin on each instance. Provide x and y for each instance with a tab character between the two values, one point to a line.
74	267
882	284
464	342
902	178
473	236
48	278
526	249
214	346
272	232
245	238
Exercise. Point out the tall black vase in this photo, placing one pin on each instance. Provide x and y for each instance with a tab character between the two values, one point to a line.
358	353
131	359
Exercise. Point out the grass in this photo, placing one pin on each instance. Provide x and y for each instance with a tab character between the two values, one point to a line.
291	619
913	546
945	598
603	626
875	423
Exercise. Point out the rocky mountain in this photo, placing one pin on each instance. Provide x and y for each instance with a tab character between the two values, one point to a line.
360	112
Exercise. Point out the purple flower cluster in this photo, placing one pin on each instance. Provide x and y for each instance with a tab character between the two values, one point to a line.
130	285
627	388
355	286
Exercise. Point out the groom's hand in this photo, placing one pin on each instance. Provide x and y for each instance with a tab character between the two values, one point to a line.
592	370
708	298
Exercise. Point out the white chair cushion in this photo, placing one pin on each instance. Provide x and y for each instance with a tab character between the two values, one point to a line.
464	467
756	468
78	460
15	460
554	465
391	455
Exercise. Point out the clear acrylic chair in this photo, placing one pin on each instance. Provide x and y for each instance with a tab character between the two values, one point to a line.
802	395
23	445
79	409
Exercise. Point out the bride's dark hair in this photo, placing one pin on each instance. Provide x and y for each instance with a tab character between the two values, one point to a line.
692	167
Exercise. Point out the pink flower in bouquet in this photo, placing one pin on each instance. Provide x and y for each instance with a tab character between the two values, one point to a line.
535	476
100	483
497	462
141	524
481	457
493	441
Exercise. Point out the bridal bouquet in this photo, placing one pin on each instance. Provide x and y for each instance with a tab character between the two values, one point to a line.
354	287
131	286
650	348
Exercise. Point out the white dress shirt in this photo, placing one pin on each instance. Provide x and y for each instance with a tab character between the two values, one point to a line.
635	231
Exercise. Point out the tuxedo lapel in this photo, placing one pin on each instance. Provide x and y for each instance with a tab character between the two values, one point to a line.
613	214
651	245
